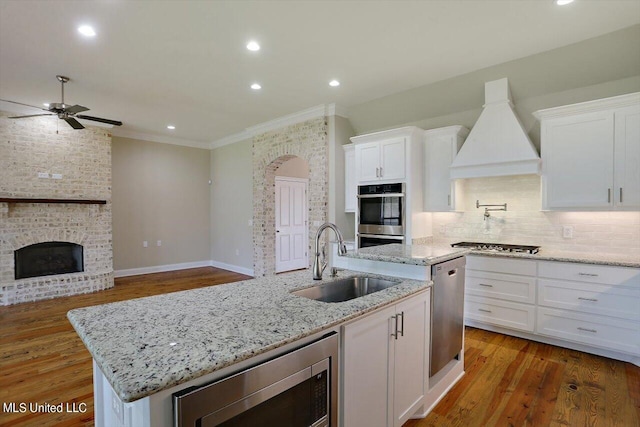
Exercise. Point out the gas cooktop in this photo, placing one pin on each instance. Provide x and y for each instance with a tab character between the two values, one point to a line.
497	247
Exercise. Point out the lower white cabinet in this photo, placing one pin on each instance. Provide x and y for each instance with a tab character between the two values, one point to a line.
384	364
595	307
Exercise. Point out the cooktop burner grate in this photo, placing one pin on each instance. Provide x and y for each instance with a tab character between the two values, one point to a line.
498	247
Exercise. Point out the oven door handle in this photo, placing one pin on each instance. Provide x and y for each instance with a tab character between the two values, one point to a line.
382	236
379	196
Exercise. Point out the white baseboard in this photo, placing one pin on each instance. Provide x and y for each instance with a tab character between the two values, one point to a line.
231	267
160	268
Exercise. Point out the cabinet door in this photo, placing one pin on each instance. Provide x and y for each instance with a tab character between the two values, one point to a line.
627	157
410	357
367	350
350	185
392	162
438	186
578	161
368	162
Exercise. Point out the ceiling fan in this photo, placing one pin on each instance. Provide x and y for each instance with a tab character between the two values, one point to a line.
65	112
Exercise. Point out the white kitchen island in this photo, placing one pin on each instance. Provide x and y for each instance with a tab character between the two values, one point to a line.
146	349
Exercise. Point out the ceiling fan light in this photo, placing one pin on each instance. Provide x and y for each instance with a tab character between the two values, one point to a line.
87	31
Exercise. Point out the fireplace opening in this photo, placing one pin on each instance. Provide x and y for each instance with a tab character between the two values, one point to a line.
48	258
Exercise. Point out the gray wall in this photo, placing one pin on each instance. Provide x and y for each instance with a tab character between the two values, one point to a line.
596	68
160	192
232	205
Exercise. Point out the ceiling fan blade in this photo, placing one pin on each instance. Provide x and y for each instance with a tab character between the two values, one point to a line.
73	123
26	105
30	115
76	109
98	119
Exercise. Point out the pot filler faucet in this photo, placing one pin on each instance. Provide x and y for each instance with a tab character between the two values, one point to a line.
490	208
319	266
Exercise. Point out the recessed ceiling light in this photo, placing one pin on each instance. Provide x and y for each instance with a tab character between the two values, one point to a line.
334	83
563	2
253	46
256	86
87	31
171	127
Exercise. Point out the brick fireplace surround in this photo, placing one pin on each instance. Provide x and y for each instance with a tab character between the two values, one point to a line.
83	158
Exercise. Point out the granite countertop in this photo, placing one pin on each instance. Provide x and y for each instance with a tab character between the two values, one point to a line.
565	256
146	345
433	254
408	254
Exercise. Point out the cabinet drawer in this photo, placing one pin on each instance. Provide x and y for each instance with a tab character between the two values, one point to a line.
608	300
590	273
501	265
511	315
590	329
502	286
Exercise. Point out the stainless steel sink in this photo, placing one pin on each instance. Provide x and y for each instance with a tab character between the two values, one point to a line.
345	289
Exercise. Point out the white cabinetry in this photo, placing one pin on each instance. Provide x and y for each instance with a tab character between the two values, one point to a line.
350	185
440	148
383	160
592	305
588	307
501	292
385	360
591	155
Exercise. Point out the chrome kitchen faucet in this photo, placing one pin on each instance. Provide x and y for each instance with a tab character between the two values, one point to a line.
319	266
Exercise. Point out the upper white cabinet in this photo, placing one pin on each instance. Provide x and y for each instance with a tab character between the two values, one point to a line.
440	148
386	156
591	155
350	185
384	364
383	160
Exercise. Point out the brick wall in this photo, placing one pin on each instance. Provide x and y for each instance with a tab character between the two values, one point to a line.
83	158
307	140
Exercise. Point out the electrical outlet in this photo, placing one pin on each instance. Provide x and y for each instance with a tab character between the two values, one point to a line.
567	232
43	175
145	244
117	408
56	176
159	243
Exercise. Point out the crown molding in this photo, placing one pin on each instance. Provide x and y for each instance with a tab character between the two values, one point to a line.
322	110
159	138
589	106
231	139
446	131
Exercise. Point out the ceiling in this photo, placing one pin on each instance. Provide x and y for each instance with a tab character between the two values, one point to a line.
155	63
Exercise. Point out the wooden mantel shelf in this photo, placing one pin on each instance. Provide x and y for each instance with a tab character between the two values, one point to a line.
74	201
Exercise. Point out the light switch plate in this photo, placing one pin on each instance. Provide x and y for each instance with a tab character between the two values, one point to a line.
567	232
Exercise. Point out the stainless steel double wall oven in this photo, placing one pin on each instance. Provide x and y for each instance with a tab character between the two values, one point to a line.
381	214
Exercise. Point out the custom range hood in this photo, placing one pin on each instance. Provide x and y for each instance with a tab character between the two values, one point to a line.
498	144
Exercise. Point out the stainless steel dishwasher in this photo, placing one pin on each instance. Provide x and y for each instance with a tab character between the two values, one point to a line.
447	313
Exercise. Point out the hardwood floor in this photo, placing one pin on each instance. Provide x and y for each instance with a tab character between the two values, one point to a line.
42	360
508	382
515	382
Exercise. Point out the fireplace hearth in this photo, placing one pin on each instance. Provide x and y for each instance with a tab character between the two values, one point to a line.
48	258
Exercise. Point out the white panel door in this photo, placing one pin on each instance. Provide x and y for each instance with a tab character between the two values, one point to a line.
627	154
291	224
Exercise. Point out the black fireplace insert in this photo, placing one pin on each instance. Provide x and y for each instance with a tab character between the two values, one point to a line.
48	258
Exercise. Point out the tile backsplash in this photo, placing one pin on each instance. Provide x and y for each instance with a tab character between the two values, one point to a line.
525	223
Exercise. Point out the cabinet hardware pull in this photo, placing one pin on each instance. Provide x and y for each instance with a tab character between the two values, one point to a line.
587	330
401	323
483	310
395	334
608	195
485	285
381	173
588	299
620	194
449	199
588	274
377	172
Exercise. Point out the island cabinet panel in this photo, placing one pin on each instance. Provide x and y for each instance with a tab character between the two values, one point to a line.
384	364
